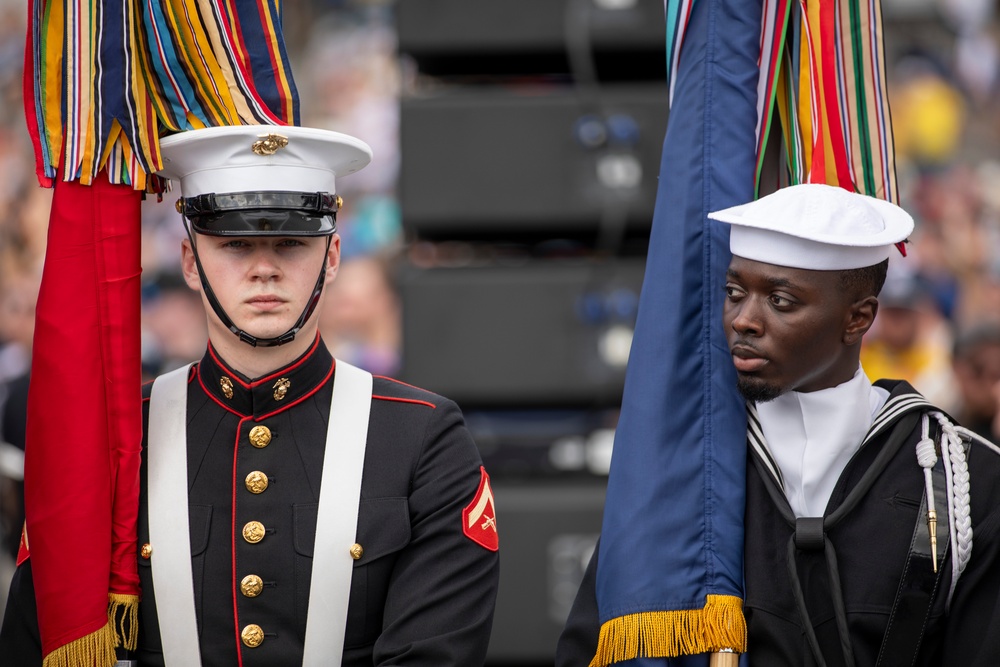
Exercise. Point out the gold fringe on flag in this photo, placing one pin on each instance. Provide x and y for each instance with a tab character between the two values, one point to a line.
123	614
98	648
667	634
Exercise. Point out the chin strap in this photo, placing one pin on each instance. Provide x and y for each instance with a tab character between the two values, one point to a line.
250	340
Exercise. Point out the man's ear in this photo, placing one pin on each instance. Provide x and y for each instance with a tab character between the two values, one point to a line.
189	267
333	259
860	317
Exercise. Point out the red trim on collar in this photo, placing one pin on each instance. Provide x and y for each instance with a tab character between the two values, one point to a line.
322	383
403	400
229	409
223	365
287	369
281	371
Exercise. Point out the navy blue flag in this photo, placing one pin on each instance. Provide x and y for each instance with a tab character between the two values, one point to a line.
670	567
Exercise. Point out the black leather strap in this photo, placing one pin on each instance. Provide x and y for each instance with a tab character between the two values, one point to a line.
919	583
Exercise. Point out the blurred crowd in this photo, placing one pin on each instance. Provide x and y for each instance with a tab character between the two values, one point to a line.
939	322
939	318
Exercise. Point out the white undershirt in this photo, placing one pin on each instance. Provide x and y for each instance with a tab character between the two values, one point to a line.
812	436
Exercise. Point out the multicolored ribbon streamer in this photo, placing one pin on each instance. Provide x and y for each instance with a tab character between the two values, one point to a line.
823	72
105	79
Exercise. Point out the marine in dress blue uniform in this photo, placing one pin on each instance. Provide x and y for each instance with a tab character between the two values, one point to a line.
425	560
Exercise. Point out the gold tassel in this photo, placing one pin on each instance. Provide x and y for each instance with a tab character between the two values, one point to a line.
123	614
664	634
98	648
94	650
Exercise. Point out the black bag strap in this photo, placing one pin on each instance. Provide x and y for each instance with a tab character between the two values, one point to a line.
919	583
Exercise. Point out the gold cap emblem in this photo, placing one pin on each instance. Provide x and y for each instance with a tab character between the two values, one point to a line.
260	436
256	482
269	144
252	635
281	388
227	386
357	551
146	551
251	586
253	532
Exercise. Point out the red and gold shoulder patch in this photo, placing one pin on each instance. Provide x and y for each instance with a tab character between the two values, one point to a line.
479	518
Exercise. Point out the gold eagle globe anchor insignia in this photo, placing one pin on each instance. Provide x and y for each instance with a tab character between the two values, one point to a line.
281	388
269	144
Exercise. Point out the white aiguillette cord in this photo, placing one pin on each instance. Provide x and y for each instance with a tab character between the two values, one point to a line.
336	523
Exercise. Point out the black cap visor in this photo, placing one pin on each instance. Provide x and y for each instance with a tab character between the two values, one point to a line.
262	213
264	223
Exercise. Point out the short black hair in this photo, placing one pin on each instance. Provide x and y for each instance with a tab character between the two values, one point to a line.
867	281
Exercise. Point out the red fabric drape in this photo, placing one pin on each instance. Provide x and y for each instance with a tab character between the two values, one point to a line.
84	411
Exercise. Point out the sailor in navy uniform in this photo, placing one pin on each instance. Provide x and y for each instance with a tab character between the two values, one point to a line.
273	572
872	529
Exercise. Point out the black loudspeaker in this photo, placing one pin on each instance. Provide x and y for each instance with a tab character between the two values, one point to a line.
546	333
476	37
547	535
496	161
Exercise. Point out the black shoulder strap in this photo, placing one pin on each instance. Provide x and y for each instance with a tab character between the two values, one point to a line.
920	582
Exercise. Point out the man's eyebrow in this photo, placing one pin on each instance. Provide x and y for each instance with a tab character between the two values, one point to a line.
773	281
781	282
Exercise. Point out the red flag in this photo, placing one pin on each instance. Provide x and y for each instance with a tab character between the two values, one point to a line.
84	420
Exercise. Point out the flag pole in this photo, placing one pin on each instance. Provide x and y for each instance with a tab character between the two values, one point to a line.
724	658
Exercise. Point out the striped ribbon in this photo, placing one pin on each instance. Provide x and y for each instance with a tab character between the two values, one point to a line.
678	12
108	78
822	72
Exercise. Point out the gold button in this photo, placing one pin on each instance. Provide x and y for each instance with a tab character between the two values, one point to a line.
256	482
146	551
253	532
281	388
252	635
251	586
227	386
260	436
357	551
